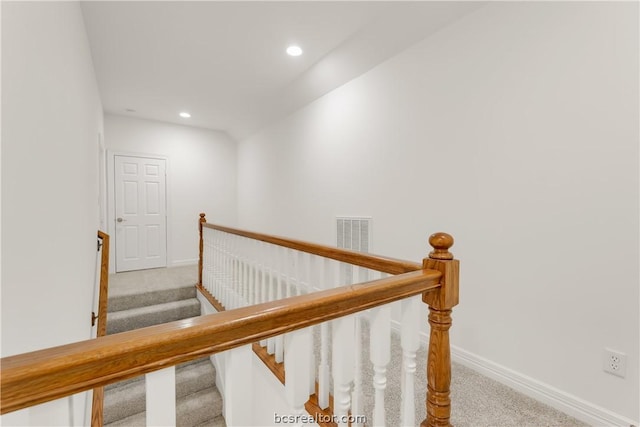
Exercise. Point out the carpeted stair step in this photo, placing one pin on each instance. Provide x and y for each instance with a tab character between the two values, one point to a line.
140	317
121	383
194	377
195	409
214	422
128	300
126	399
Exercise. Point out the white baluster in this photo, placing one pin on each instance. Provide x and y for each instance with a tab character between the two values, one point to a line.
305	267
297	361
309	264
356	395
235	288
288	269
237	294
238	388
255	260
206	262
410	341
219	267
248	271
242	280
205	259
273	281
300	272
343	366
211	286
338	274
230	274
216	265
281	260
245	272
263	251
312	365
161	397
211	268
380	355
226	278
217	289
318	266
323	369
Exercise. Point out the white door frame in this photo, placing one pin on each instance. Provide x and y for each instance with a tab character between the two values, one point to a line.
111	202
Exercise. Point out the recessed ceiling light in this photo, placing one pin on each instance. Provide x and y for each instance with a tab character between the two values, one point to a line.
294	50
185	115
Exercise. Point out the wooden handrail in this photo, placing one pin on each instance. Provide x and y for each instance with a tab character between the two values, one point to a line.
97	406
104	285
374	262
40	376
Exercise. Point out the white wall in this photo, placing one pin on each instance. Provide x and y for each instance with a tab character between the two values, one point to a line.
201	173
516	130
51	117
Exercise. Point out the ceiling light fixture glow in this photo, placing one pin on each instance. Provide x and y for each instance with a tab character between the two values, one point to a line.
185	115
294	50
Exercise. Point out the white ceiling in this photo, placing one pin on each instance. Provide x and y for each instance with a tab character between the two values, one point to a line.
225	62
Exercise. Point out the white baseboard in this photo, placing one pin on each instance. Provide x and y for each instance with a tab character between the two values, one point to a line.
569	404
183	262
558	399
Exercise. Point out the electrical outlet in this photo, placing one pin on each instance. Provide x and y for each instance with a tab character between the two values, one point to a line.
614	362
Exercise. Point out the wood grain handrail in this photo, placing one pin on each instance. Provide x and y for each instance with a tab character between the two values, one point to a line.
374	262
40	376
103	296
97	404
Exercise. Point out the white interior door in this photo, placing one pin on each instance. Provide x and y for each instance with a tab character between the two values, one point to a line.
140	212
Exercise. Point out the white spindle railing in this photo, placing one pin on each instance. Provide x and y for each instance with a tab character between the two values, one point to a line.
239	271
380	355
356	395
279	348
298	350
410	342
271	286
342	365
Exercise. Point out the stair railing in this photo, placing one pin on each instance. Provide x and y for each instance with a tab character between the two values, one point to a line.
32	378
97	407
238	268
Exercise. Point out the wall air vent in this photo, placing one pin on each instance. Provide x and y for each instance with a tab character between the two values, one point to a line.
353	233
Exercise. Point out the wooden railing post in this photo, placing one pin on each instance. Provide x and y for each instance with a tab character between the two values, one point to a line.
440	302
202	221
97	407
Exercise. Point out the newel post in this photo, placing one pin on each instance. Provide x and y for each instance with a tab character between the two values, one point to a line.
440	302
202	221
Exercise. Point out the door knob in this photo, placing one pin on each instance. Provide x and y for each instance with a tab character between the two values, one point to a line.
120	219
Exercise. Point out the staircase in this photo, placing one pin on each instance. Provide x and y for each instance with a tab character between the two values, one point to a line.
137	305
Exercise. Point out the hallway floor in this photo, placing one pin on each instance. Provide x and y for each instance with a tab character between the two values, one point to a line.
131	282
